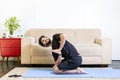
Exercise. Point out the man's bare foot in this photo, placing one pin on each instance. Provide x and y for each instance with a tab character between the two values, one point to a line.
81	71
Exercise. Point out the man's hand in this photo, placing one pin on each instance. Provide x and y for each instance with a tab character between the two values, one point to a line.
58	61
56	51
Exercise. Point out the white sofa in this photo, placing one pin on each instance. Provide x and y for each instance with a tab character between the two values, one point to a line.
94	49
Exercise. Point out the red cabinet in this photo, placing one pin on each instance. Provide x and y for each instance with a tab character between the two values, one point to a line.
10	47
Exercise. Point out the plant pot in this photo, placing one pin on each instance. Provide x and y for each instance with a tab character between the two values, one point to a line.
11	36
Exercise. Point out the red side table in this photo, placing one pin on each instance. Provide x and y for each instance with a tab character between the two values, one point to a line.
10	47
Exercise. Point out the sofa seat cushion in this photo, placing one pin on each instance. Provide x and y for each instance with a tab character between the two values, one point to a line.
89	50
92	60
42	60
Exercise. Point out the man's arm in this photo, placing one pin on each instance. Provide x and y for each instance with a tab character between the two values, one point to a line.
58	61
62	42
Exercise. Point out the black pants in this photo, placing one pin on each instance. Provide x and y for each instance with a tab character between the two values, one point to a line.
68	64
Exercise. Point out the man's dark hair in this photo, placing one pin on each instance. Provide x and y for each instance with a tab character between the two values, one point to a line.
40	43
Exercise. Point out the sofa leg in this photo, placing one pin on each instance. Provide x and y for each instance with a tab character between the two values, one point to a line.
103	65
18	59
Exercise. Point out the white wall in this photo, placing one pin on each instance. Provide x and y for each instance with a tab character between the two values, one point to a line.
104	14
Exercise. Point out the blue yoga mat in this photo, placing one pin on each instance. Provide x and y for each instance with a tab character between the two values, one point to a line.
91	73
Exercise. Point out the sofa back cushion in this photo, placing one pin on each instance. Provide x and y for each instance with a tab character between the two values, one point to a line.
36	33
87	35
73	35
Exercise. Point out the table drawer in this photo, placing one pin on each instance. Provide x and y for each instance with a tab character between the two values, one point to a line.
10	43
11	52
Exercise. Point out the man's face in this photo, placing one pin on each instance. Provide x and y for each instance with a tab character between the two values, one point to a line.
45	40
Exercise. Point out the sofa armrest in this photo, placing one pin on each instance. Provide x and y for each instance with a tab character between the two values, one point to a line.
26	43
106	44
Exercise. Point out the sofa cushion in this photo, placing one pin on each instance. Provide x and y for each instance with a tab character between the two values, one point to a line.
73	35
92	60
89	49
42	60
37	50
87	35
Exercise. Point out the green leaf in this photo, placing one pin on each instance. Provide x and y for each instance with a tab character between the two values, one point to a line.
12	24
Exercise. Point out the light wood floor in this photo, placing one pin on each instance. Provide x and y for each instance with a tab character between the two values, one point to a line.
6	67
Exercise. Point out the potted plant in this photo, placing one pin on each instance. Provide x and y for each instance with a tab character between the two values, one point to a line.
12	24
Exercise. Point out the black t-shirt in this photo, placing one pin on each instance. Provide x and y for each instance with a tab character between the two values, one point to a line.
68	51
